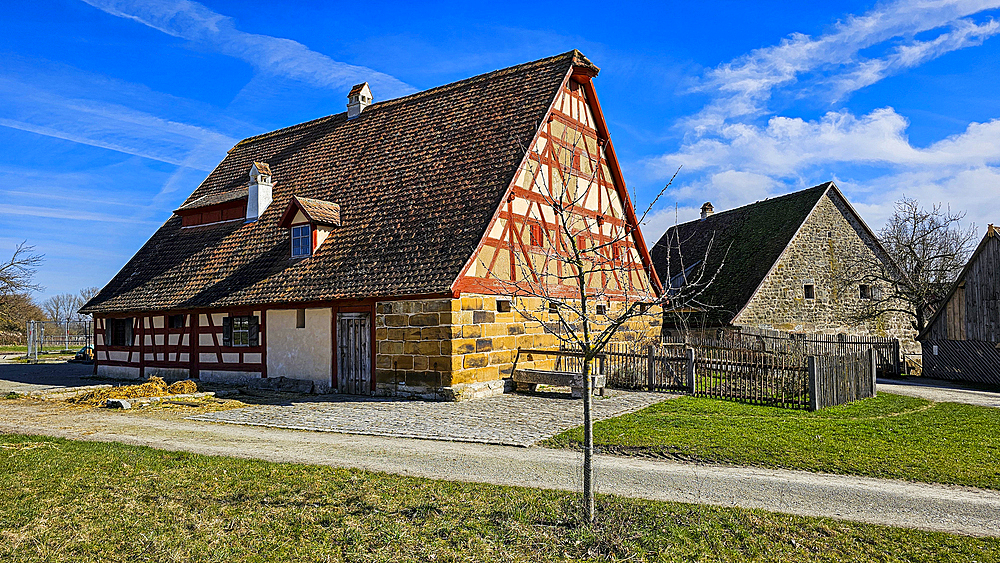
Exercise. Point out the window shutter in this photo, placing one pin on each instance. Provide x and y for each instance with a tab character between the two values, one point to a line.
227	331
254	331
129	331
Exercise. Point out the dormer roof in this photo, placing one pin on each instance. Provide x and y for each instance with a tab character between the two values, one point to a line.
316	211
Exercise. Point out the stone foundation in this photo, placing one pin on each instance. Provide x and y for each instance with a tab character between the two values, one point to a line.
119	372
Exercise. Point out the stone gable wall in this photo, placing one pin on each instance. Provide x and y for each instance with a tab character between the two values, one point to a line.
830	237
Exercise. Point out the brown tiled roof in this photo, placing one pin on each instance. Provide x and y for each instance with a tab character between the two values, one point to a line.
316	211
356	89
213	199
418	180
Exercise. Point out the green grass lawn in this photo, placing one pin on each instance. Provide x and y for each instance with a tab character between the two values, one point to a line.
887	436
79	501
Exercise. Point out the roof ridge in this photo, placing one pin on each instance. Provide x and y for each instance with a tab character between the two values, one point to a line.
575	56
824	185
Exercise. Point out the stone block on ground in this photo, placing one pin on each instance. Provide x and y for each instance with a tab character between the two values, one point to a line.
118	404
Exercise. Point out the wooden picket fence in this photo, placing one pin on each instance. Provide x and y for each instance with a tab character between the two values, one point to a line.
753	366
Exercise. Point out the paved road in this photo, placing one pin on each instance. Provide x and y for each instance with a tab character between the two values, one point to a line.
25	378
939	391
934	507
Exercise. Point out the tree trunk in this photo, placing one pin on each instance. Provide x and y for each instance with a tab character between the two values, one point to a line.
588	444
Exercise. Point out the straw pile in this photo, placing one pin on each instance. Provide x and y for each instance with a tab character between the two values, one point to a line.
154	387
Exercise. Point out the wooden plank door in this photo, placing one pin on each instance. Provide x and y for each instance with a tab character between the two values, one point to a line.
354	371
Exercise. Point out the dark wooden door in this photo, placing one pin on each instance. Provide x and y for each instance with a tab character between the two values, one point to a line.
354	371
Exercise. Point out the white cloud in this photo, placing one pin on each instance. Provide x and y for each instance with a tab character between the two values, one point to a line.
108	125
742	87
732	158
273	55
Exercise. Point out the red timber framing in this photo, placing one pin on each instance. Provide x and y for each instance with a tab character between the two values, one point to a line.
548	164
181	348
156	345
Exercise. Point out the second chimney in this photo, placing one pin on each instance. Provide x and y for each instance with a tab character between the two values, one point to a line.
707	210
359	98
259	196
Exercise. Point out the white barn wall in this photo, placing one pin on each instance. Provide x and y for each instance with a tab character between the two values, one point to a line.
300	353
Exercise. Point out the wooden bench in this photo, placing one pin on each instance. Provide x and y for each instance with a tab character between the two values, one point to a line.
530	379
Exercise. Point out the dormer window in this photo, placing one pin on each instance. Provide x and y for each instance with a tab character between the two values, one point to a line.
309	222
301	240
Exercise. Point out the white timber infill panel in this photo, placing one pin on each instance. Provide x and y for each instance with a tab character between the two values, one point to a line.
300	353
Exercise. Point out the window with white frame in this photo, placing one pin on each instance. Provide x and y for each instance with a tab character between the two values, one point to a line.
301	240
241	331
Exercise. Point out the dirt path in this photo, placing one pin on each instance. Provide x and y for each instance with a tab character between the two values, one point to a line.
934	507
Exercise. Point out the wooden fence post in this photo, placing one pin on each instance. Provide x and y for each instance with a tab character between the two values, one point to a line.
895	358
873	362
813	385
689	352
650	366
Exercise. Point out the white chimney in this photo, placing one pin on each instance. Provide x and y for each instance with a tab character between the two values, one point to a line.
260	190
707	210
359	98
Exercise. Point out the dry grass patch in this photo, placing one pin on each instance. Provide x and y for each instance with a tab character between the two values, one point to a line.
153	387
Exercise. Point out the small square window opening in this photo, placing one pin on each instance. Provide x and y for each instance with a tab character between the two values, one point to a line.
300	318
301	241
809	290
176	321
503	305
553	308
865	291
602	309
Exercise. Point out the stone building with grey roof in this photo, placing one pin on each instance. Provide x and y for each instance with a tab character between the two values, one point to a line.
778	265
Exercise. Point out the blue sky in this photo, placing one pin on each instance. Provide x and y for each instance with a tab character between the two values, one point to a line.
112	111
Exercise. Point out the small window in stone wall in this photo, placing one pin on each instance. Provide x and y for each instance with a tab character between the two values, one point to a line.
865	291
300	318
602	309
809	290
553	307
503	305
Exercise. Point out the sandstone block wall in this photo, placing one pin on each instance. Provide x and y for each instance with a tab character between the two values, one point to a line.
463	348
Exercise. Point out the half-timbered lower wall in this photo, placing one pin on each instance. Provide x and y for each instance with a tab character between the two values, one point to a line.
443	348
194	348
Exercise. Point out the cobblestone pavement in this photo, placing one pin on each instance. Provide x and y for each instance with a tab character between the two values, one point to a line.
510	419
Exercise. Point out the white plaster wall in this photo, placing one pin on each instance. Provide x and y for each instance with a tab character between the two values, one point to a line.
299	353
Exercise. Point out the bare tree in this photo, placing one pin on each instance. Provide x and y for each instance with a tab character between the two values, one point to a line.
88	293
61	307
17	274
927	249
583	265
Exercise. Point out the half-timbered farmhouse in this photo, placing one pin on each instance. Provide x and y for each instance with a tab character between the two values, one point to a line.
961	339
378	250
776	266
